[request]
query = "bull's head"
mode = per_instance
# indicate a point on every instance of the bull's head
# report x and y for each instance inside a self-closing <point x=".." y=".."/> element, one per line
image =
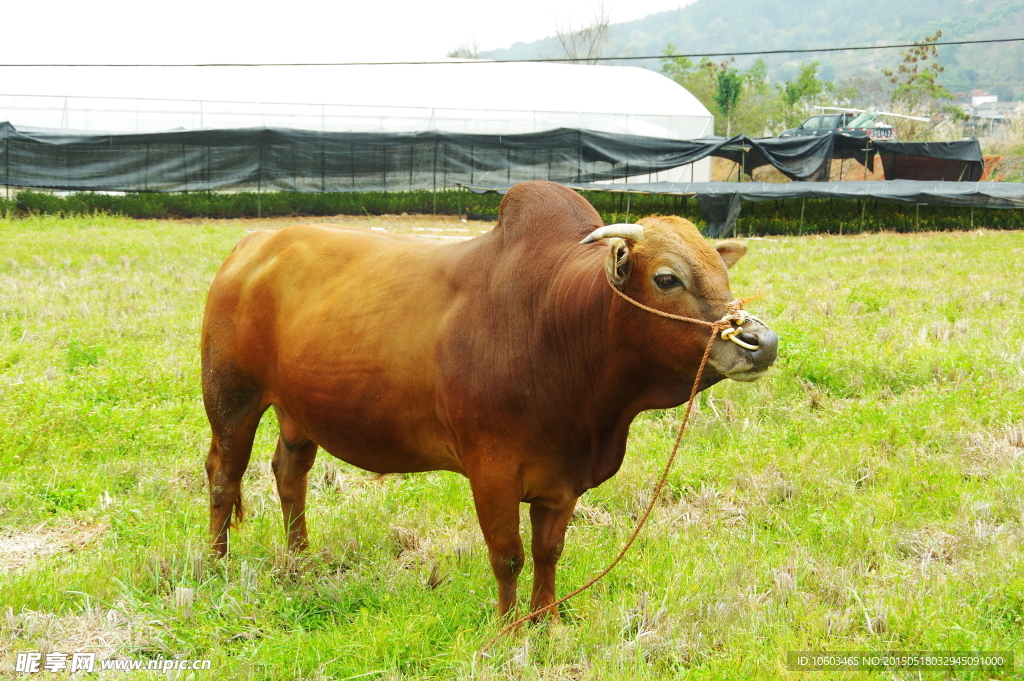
<point x="664" y="263"/>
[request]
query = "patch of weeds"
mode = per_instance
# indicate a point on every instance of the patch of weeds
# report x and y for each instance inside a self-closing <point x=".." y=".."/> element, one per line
<point x="867" y="296"/>
<point x="11" y="359"/>
<point x="821" y="378"/>
<point x="63" y="499"/>
<point x="1004" y="609"/>
<point x="312" y="612"/>
<point x="80" y="355"/>
<point x="804" y="358"/>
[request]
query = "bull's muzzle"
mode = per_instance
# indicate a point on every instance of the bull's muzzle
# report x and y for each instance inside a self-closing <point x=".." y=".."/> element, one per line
<point x="751" y="356"/>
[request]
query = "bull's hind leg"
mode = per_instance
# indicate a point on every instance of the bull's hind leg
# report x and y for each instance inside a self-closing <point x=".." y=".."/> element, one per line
<point x="234" y="405"/>
<point x="293" y="458"/>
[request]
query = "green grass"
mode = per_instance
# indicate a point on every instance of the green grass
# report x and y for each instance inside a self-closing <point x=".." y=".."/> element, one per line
<point x="865" y="496"/>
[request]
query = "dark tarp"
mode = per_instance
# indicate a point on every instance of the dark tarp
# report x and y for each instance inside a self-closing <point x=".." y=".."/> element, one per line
<point x="809" y="158"/>
<point x="719" y="201"/>
<point x="948" y="161"/>
<point x="720" y="212"/>
<point x="798" y="158"/>
<point x="310" y="161"/>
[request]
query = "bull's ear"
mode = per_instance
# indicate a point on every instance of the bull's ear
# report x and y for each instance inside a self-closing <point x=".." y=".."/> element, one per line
<point x="619" y="263"/>
<point x="731" y="251"/>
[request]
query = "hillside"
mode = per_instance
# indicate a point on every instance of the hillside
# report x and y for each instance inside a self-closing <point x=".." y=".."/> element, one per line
<point x="740" y="25"/>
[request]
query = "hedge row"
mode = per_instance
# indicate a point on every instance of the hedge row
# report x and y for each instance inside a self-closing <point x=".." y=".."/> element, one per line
<point x="762" y="218"/>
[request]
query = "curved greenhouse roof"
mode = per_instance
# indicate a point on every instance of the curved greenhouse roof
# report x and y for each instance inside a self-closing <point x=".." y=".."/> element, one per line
<point x="461" y="96"/>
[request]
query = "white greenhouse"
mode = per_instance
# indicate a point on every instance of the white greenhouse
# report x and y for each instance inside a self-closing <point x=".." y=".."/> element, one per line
<point x="494" y="98"/>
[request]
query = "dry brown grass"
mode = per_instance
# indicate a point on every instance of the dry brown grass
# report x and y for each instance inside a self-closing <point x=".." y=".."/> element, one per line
<point x="23" y="549"/>
<point x="987" y="453"/>
<point x="106" y="631"/>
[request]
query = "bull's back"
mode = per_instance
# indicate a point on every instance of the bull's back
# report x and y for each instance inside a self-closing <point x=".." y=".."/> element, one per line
<point x="339" y="328"/>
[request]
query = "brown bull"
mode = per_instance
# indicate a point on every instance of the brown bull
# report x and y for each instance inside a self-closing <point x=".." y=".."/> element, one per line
<point x="506" y="358"/>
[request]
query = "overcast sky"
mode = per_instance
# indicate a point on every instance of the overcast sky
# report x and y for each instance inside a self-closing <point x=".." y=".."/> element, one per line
<point x="190" y="31"/>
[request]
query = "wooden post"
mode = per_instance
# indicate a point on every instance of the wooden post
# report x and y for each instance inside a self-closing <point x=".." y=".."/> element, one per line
<point x="184" y="166"/>
<point x="435" y="177"/>
<point x="803" y="204"/>
<point x="259" y="183"/>
<point x="579" y="154"/>
<point x="295" y="169"/>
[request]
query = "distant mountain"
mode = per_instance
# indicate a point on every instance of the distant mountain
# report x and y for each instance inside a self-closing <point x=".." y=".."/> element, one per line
<point x="742" y="25"/>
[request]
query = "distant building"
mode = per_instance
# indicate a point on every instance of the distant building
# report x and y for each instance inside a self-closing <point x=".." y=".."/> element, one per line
<point x="992" y="119"/>
<point x="999" y="109"/>
<point x="981" y="97"/>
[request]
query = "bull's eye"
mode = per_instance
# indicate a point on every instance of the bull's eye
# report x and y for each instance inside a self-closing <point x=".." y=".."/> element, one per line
<point x="667" y="281"/>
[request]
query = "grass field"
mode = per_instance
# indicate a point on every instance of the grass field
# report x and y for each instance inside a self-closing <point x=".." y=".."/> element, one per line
<point x="867" y="495"/>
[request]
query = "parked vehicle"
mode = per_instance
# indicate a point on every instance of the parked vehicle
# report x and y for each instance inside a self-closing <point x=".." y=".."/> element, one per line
<point x="821" y="124"/>
<point x="863" y="123"/>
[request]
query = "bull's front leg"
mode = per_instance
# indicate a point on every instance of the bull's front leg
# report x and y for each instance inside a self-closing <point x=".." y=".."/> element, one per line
<point x="497" y="499"/>
<point x="549" y="520"/>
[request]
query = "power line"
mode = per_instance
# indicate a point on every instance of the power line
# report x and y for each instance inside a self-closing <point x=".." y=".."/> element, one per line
<point x="526" y="61"/>
<point x="832" y="49"/>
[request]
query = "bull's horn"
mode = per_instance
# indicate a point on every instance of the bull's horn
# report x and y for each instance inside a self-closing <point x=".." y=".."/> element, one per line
<point x="621" y="229"/>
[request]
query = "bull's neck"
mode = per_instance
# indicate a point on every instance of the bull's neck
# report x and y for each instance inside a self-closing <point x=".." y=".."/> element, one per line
<point x="605" y="382"/>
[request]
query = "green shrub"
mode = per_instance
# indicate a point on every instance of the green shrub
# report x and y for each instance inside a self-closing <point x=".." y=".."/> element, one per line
<point x="782" y="217"/>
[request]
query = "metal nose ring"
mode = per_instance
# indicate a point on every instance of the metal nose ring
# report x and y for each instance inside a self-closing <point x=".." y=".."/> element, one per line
<point x="731" y="334"/>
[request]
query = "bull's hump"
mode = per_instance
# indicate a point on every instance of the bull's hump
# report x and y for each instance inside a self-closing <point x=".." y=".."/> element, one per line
<point x="545" y="210"/>
<point x="329" y="234"/>
<point x="330" y="246"/>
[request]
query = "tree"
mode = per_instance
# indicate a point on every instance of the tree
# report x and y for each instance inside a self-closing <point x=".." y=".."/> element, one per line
<point x="867" y="88"/>
<point x="678" y="69"/>
<point x="761" y="112"/>
<point x="700" y="79"/>
<point x="469" y="49"/>
<point x="917" y="90"/>
<point x="796" y="94"/>
<point x="585" y="45"/>
<point x="748" y="100"/>
<point x="727" y="95"/>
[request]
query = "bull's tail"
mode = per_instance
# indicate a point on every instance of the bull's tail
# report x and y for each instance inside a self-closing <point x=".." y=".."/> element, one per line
<point x="239" y="510"/>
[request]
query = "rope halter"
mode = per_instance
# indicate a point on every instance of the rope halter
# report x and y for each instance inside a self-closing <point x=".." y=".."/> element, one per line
<point x="740" y="316"/>
<point x="735" y="313"/>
